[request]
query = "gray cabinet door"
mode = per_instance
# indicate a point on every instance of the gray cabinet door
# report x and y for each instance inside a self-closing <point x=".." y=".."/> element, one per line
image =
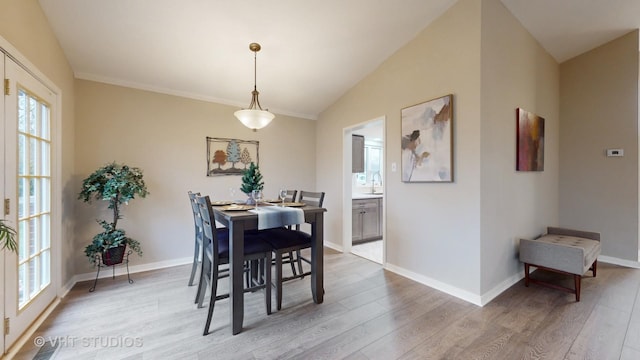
<point x="357" y="153"/>
<point x="356" y="222"/>
<point x="371" y="220"/>
<point x="366" y="225"/>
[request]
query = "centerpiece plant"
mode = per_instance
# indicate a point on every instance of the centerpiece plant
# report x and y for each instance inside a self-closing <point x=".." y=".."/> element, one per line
<point x="251" y="180"/>
<point x="117" y="184"/>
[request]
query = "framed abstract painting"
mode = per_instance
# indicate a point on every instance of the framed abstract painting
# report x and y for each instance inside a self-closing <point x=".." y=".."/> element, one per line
<point x="427" y="141"/>
<point x="530" y="141"/>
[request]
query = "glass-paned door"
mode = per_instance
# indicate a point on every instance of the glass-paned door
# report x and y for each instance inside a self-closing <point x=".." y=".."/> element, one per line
<point x="34" y="196"/>
<point x="28" y="184"/>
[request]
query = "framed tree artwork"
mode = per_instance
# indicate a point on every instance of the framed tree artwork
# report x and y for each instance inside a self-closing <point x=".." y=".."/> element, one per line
<point x="427" y="141"/>
<point x="230" y="156"/>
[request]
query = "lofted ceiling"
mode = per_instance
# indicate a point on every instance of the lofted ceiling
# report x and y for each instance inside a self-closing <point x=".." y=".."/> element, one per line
<point x="312" y="51"/>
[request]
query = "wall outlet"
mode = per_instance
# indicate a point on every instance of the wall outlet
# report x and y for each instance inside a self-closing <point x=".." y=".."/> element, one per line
<point x="615" y="152"/>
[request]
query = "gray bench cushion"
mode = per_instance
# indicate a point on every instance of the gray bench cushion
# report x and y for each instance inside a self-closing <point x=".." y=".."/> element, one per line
<point x="560" y="252"/>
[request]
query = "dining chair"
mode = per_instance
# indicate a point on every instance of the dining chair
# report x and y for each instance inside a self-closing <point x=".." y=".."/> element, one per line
<point x="288" y="258"/>
<point x="198" y="240"/>
<point x="215" y="253"/>
<point x="286" y="241"/>
<point x="198" y="235"/>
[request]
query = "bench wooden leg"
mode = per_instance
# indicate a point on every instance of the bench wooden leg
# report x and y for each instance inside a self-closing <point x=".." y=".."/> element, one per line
<point x="594" y="267"/>
<point x="577" y="279"/>
<point x="526" y="274"/>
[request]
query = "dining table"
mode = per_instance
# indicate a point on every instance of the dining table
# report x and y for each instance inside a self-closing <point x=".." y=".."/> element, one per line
<point x="238" y="222"/>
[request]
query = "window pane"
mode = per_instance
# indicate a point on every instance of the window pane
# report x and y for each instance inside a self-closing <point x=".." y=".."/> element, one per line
<point x="45" y="223"/>
<point x="22" y="284"/>
<point x="45" y="159"/>
<point x="22" y="104"/>
<point x="33" y="243"/>
<point x="45" y="132"/>
<point x="33" y="116"/>
<point x="45" y="191"/>
<point x="22" y="198"/>
<point x="33" y="187"/>
<point x="33" y="271"/>
<point x="44" y="268"/>
<point x="23" y="243"/>
<point x="33" y="156"/>
<point x="22" y="154"/>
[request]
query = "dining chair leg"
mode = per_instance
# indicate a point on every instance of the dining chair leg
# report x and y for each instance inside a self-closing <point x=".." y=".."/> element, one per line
<point x="299" y="258"/>
<point x="291" y="262"/>
<point x="278" y="280"/>
<point x="212" y="299"/>
<point x="267" y="282"/>
<point x="196" y="261"/>
<point x="202" y="283"/>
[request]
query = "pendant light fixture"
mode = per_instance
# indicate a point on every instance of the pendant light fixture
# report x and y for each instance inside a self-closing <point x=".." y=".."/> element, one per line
<point x="254" y="117"/>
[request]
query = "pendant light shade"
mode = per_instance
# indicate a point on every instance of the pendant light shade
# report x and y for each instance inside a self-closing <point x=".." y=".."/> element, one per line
<point x="254" y="117"/>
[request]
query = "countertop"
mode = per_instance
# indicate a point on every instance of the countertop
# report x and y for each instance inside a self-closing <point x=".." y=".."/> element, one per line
<point x="366" y="196"/>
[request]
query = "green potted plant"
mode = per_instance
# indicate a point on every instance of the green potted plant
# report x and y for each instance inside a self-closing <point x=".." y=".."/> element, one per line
<point x="117" y="184"/>
<point x="251" y="180"/>
<point x="7" y="237"/>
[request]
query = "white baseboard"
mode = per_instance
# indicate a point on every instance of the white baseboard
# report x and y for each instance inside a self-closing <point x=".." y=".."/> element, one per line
<point x="122" y="270"/>
<point x="500" y="288"/>
<point x="617" y="261"/>
<point x="438" y="285"/>
<point x="334" y="246"/>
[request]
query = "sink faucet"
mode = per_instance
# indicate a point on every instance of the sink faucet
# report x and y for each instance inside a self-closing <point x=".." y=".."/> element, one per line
<point x="373" y="181"/>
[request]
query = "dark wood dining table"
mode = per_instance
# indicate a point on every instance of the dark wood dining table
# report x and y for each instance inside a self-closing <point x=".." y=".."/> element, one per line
<point x="239" y="221"/>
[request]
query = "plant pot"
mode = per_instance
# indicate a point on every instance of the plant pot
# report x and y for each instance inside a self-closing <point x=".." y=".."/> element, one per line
<point x="250" y="200"/>
<point x="114" y="255"/>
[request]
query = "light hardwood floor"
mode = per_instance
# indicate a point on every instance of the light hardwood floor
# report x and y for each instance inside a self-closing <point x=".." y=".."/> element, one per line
<point x="368" y="313"/>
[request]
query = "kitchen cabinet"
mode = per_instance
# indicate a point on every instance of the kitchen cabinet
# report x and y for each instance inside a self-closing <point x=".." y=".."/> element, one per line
<point x="366" y="220"/>
<point x="357" y="153"/>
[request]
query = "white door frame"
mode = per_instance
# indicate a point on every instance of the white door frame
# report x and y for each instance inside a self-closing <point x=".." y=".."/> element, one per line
<point x="56" y="186"/>
<point x="347" y="210"/>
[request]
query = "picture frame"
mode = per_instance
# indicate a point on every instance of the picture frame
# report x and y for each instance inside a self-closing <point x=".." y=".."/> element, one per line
<point x="529" y="141"/>
<point x="224" y="155"/>
<point x="427" y="141"/>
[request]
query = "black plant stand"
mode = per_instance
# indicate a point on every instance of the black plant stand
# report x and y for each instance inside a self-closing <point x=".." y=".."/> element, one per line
<point x="125" y="261"/>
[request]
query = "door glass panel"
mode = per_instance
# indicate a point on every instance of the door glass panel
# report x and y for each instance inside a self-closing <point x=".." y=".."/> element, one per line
<point x="22" y="156"/>
<point x="34" y="196"/>
<point x="44" y="157"/>
<point x="44" y="130"/>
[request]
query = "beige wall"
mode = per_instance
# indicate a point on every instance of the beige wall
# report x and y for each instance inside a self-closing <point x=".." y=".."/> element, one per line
<point x="516" y="72"/>
<point x="165" y="136"/>
<point x="23" y="24"/>
<point x="599" y="110"/>
<point x="433" y="230"/>
<point x="461" y="236"/>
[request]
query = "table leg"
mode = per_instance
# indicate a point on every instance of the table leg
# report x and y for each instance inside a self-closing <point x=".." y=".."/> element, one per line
<point x="236" y="274"/>
<point x="317" y="256"/>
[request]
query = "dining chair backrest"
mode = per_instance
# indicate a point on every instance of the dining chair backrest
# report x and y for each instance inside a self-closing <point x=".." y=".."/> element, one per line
<point x="194" y="206"/>
<point x="197" y="219"/>
<point x="291" y="195"/>
<point x="311" y="198"/>
<point x="208" y="223"/>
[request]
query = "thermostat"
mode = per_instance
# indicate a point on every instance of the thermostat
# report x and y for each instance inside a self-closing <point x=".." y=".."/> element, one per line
<point x="615" y="152"/>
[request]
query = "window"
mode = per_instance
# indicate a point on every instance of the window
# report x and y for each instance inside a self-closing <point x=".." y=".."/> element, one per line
<point x="372" y="162"/>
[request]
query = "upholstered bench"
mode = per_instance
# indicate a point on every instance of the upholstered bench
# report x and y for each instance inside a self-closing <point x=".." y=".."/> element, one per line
<point x="565" y="251"/>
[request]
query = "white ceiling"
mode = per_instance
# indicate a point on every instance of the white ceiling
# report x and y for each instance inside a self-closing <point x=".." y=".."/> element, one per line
<point x="312" y="51"/>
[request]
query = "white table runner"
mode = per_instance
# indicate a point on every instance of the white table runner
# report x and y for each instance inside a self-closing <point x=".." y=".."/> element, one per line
<point x="277" y="216"/>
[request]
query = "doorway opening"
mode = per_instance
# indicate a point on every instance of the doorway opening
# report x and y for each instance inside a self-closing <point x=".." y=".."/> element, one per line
<point x="363" y="186"/>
